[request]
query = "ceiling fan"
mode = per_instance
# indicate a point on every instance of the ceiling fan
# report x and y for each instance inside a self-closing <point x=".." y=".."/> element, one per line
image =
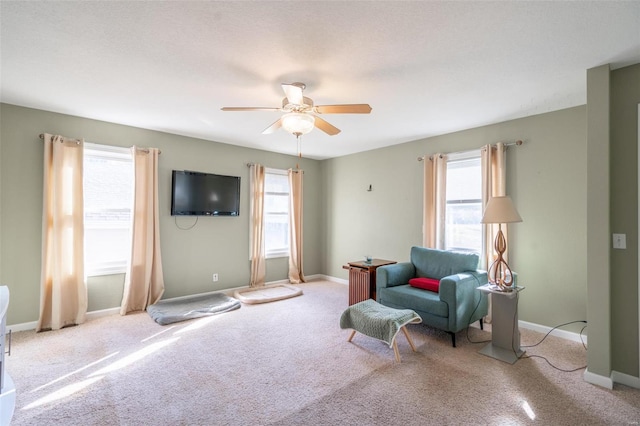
<point x="300" y="112"/>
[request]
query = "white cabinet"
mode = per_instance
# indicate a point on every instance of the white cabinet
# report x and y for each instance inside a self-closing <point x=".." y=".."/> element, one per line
<point x="7" y="388"/>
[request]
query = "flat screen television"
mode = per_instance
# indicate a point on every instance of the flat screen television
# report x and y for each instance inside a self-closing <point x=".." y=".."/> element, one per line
<point x="204" y="194"/>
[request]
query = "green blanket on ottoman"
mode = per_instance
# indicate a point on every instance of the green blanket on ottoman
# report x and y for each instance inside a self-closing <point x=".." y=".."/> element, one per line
<point x="378" y="321"/>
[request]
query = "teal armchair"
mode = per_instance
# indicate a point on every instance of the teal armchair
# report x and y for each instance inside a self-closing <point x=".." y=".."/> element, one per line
<point x="457" y="303"/>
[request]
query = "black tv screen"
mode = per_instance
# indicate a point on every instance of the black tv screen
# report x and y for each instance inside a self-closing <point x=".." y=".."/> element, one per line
<point x="204" y="194"/>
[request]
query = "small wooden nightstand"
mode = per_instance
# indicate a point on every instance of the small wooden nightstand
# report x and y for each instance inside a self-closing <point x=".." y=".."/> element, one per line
<point x="362" y="279"/>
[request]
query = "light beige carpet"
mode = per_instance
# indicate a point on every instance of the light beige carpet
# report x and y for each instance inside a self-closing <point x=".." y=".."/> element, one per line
<point x="289" y="363"/>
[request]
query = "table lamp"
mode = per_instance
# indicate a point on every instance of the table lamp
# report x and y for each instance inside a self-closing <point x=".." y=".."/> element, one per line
<point x="500" y="210"/>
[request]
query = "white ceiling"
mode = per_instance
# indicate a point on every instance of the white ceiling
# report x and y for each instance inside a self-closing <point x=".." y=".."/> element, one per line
<point x="426" y="68"/>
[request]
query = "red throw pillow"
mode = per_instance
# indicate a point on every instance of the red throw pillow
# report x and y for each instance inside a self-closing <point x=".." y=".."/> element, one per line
<point x="430" y="284"/>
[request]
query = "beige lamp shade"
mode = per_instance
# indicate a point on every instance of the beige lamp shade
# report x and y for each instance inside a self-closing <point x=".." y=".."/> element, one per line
<point x="500" y="210"/>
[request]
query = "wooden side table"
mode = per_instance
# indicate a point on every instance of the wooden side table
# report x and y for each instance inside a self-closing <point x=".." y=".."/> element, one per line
<point x="362" y="279"/>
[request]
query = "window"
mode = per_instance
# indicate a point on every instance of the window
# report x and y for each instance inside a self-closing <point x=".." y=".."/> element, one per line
<point x="463" y="230"/>
<point x="108" y="199"/>
<point x="276" y="213"/>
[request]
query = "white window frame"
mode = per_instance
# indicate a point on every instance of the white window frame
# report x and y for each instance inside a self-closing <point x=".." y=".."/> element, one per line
<point x="280" y="251"/>
<point x="109" y="267"/>
<point x="459" y="157"/>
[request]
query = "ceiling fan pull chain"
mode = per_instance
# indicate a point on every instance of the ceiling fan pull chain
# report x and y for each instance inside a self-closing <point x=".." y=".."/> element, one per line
<point x="299" y="149"/>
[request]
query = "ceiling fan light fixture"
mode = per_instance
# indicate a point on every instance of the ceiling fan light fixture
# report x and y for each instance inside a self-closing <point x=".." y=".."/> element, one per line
<point x="298" y="123"/>
<point x="299" y="118"/>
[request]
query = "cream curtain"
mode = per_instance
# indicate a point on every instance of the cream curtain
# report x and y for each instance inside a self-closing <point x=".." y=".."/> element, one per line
<point x="296" y="275"/>
<point x="258" y="271"/>
<point x="63" y="292"/>
<point x="434" y="200"/>
<point x="144" y="281"/>
<point x="494" y="171"/>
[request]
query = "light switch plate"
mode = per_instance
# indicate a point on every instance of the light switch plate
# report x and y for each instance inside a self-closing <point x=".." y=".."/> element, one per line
<point x="619" y="241"/>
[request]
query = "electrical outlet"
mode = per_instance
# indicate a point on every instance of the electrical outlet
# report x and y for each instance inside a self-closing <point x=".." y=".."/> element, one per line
<point x="620" y="241"/>
<point x="215" y="278"/>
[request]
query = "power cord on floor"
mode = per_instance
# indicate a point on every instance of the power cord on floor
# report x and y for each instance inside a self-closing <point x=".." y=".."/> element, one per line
<point x="474" y="311"/>
<point x="546" y="335"/>
<point x="469" y="325"/>
<point x="523" y="355"/>
<point x="558" y="326"/>
<point x="549" y="362"/>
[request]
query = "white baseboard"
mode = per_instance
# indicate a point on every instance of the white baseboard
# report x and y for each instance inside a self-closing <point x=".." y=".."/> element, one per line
<point x="112" y="311"/>
<point x="334" y="279"/>
<point x="625" y="379"/>
<point x="314" y="277"/>
<point x="26" y="326"/>
<point x="103" y="313"/>
<point x="557" y="332"/>
<point x="596" y="379"/>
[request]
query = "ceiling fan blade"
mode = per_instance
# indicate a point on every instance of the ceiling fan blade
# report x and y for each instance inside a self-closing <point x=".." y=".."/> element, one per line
<point x="275" y="126"/>
<point x="329" y="129"/>
<point x="343" y="109"/>
<point x="249" y="109"/>
<point x="293" y="93"/>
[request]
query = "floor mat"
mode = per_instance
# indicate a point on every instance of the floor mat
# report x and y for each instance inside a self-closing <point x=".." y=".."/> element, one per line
<point x="169" y="311"/>
<point x="268" y="293"/>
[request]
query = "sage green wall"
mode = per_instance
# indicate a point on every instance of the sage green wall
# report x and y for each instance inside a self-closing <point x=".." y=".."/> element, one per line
<point x="625" y="97"/>
<point x="598" y="239"/>
<point x="189" y="258"/>
<point x="546" y="178"/>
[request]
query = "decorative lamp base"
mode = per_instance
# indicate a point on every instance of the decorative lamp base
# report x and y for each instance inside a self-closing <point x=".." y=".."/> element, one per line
<point x="499" y="272"/>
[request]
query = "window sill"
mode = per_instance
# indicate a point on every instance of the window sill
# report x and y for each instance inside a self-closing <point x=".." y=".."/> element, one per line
<point x="276" y="255"/>
<point x="99" y="272"/>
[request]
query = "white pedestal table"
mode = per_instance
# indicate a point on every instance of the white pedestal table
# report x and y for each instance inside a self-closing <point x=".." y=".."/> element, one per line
<point x="505" y="335"/>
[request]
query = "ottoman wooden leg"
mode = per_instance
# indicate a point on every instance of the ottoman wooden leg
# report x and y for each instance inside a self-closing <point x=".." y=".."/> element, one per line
<point x="406" y="333"/>
<point x="352" y="334"/>
<point x="396" y="351"/>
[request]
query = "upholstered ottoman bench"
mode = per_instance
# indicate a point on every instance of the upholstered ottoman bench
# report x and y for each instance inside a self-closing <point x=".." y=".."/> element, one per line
<point x="380" y="322"/>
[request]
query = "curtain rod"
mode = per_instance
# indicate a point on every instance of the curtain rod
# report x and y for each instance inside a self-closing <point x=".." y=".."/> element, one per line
<point x="147" y="150"/>
<point x="292" y="169"/>
<point x="42" y="138"/>
<point x="141" y="149"/>
<point x="517" y="143"/>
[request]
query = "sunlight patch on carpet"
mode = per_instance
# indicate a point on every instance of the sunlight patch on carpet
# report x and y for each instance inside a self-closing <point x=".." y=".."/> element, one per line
<point x="39" y="388"/>
<point x="269" y="293"/>
<point x="62" y="393"/>
<point x="197" y="324"/>
<point x="134" y="357"/>
<point x="527" y="409"/>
